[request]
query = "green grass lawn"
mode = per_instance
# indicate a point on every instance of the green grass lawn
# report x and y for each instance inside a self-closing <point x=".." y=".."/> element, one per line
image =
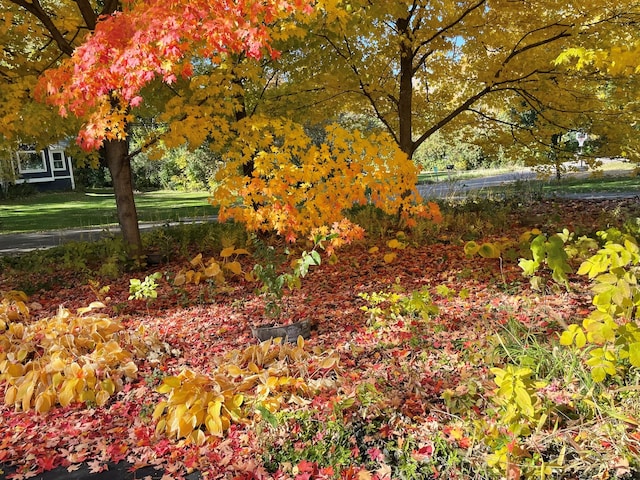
<point x="604" y="184"/>
<point x="98" y="208"/>
<point x="443" y="175"/>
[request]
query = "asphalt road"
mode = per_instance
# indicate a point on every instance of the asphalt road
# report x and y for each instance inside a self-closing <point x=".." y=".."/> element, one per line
<point x="449" y="186"/>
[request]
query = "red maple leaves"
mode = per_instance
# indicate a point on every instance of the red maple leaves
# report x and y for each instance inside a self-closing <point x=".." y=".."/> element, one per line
<point x="149" y="40"/>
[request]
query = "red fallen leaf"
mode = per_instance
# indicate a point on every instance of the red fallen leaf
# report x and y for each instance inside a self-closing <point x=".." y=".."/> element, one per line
<point x="513" y="472"/>
<point x="117" y="452"/>
<point x="423" y="454"/>
<point x="375" y="454"/>
<point x="385" y="431"/>
<point x="327" y="471"/>
<point x="349" y="474"/>
<point x="306" y="466"/>
<point x="48" y="463"/>
<point x="464" y="442"/>
<point x="199" y="333"/>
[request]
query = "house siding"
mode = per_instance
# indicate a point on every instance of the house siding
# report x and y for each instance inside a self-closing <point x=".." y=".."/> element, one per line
<point x="48" y="177"/>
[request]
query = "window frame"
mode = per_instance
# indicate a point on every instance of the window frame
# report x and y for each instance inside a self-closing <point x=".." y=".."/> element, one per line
<point x="43" y="164"/>
<point x="63" y="168"/>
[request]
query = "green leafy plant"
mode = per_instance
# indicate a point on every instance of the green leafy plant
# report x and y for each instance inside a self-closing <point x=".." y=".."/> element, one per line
<point x="304" y="436"/>
<point x="610" y="332"/>
<point x="549" y="251"/>
<point x="497" y="249"/>
<point x="273" y="280"/>
<point x="144" y="289"/>
<point x="396" y="303"/>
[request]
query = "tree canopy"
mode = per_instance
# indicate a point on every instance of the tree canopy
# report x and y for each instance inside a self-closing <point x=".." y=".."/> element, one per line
<point x="35" y="36"/>
<point x="422" y="66"/>
<point x="103" y="79"/>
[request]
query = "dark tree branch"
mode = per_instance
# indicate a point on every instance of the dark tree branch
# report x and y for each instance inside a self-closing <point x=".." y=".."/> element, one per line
<point x="88" y="15"/>
<point x="37" y="11"/>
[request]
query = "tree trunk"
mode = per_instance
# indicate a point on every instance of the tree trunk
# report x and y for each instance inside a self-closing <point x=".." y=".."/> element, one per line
<point x="405" y="95"/>
<point x="116" y="154"/>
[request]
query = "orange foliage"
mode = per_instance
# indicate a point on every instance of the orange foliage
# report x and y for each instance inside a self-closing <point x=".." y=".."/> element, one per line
<point x="298" y="185"/>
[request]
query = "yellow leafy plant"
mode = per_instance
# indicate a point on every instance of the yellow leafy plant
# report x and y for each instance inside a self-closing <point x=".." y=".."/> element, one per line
<point x="494" y="249"/>
<point x="263" y="376"/>
<point x="13" y="308"/>
<point x="516" y="396"/>
<point x="212" y="269"/>
<point x="610" y="333"/>
<point x="196" y="400"/>
<point x="296" y="185"/>
<point x="82" y="357"/>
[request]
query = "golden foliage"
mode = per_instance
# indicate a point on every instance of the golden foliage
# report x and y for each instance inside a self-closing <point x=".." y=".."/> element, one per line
<point x="211" y="269"/>
<point x="267" y="375"/>
<point x="83" y="357"/>
<point x="298" y="185"/>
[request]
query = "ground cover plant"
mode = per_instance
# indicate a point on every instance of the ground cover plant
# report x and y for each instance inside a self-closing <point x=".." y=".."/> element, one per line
<point x="495" y="344"/>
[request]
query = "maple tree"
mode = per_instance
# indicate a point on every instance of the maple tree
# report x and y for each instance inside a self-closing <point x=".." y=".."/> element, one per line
<point x="101" y="80"/>
<point x="421" y="68"/>
<point x="279" y="174"/>
<point x="298" y="185"/>
<point x="615" y="60"/>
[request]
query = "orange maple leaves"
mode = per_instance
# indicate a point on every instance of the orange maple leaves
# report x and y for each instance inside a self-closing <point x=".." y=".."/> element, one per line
<point x="298" y="185"/>
<point x="149" y="40"/>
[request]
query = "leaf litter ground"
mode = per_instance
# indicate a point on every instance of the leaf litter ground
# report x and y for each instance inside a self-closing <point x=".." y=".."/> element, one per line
<point x="410" y="361"/>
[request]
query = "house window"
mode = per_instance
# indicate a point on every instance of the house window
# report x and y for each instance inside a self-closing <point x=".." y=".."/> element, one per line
<point x="57" y="157"/>
<point x="30" y="161"/>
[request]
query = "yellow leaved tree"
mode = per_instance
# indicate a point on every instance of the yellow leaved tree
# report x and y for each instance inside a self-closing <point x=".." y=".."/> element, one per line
<point x="33" y="37"/>
<point x="615" y="62"/>
<point x="420" y="67"/>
